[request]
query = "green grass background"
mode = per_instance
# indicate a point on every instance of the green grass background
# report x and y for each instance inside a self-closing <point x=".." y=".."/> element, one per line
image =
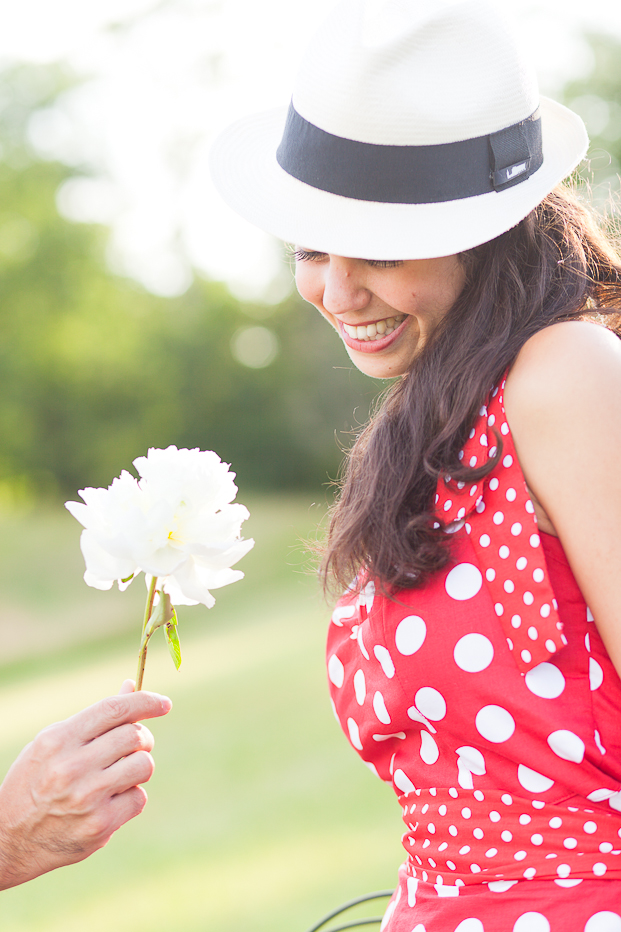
<point x="260" y="816"/>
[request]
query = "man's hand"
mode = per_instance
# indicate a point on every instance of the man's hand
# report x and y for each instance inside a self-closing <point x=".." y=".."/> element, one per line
<point x="73" y="786"/>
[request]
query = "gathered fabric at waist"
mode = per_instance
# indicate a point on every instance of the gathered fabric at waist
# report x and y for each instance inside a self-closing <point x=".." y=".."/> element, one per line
<point x="459" y="837"/>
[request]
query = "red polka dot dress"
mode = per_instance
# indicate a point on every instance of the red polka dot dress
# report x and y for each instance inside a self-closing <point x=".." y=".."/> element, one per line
<point x="488" y="701"/>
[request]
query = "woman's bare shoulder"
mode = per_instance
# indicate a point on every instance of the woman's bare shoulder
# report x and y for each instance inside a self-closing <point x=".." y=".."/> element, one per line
<point x="563" y="404"/>
<point x="570" y="365"/>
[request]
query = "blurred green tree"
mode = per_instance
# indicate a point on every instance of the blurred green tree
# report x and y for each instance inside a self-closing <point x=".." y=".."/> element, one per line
<point x="93" y="369"/>
<point x="596" y="96"/>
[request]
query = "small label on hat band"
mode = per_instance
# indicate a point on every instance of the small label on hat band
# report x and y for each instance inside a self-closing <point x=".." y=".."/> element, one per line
<point x="505" y="175"/>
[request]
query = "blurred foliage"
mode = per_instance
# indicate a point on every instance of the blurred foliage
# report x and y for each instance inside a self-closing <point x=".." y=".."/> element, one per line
<point x="596" y="96"/>
<point x="94" y="370"/>
<point x="254" y="820"/>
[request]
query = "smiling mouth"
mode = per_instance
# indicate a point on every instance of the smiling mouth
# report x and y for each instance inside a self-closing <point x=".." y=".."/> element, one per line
<point x="378" y="330"/>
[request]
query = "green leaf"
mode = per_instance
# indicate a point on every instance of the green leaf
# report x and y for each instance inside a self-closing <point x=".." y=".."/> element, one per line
<point x="172" y="639"/>
<point x="163" y="614"/>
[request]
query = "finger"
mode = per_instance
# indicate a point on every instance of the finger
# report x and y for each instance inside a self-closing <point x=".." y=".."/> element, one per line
<point x="114" y="711"/>
<point x="128" y="686"/>
<point x="130" y="771"/>
<point x="105" y="750"/>
<point x="126" y="806"/>
<point x="110" y="815"/>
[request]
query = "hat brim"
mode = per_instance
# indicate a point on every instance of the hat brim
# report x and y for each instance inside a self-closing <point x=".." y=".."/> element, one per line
<point x="247" y="175"/>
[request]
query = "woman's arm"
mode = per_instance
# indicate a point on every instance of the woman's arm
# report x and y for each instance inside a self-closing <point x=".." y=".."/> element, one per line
<point x="563" y="404"/>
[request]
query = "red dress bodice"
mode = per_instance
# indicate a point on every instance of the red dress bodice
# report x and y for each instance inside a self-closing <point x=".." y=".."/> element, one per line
<point x="487" y="700"/>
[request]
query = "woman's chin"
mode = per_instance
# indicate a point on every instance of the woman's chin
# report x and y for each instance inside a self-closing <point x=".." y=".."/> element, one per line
<point x="386" y="362"/>
<point x="379" y="367"/>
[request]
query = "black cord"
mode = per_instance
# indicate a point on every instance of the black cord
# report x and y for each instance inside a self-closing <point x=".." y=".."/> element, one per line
<point x="349" y="905"/>
<point x="356" y="924"/>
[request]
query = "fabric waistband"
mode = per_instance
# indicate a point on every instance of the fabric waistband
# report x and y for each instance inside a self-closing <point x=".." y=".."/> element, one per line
<point x="466" y="837"/>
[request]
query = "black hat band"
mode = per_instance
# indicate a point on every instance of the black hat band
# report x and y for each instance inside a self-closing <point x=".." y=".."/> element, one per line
<point x="410" y="174"/>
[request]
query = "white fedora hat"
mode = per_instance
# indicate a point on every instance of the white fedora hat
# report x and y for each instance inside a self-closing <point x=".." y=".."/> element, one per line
<point x="415" y="130"/>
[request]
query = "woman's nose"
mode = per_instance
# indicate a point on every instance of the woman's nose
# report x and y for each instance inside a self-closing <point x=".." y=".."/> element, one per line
<point x="344" y="287"/>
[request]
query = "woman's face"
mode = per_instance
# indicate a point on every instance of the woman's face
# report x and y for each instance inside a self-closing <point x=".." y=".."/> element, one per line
<point x="384" y="311"/>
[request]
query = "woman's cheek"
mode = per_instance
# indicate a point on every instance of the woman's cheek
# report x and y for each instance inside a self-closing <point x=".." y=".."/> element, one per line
<point x="310" y="287"/>
<point x="300" y="282"/>
<point x="307" y="284"/>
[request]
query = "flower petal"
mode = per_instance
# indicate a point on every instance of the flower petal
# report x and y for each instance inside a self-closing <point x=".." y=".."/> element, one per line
<point x="91" y="580"/>
<point x="216" y="579"/>
<point x="193" y="582"/>
<point x="170" y="585"/>
<point x="101" y="564"/>
<point x="177" y="522"/>
<point x="216" y="558"/>
<point x="161" y="562"/>
<point x="200" y="475"/>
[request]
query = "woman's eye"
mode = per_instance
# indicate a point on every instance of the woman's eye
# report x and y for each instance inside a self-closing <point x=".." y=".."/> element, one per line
<point x="307" y="255"/>
<point x="311" y="255"/>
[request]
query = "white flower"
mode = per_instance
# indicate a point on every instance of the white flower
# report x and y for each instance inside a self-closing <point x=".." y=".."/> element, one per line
<point x="177" y="523"/>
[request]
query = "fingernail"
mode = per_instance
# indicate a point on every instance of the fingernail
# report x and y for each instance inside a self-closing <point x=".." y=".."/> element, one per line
<point x="166" y="704"/>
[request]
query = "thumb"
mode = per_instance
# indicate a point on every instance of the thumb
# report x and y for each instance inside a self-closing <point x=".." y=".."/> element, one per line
<point x="128" y="686"/>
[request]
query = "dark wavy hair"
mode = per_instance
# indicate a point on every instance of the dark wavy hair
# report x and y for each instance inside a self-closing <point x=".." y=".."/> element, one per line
<point x="556" y="265"/>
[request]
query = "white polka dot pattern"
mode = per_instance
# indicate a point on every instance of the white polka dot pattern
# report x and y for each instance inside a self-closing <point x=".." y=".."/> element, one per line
<point x="463" y="582"/>
<point x="532" y="922"/>
<point x="431" y="703"/>
<point x="385" y="660"/>
<point x="494" y="723"/>
<point x="360" y="687"/>
<point x="532" y="781"/>
<point x="604" y="921"/>
<point x="596" y="674"/>
<point x="336" y="671"/>
<point x="379" y="706"/>
<point x="354" y="733"/>
<point x="449" y="832"/>
<point x="506" y="502"/>
<point x="473" y="653"/>
<point x="567" y="745"/>
<point x="429" y="751"/>
<point x="410" y="635"/>
<point x="487" y="742"/>
<point x="545" y="680"/>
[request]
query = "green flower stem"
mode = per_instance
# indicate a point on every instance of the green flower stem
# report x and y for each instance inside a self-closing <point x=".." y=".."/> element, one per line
<point x="142" y="656"/>
<point x="149" y="606"/>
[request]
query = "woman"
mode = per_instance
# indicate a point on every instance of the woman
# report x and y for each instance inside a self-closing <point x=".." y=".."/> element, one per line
<point x="418" y="172"/>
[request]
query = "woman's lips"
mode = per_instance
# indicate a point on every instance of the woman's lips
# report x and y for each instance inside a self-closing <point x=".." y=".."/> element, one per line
<point x="376" y="345"/>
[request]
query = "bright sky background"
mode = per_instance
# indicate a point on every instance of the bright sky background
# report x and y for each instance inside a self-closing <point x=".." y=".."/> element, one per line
<point x="163" y="77"/>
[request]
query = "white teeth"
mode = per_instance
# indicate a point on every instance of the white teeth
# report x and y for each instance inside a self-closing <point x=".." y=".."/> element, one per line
<point x="375" y="331"/>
